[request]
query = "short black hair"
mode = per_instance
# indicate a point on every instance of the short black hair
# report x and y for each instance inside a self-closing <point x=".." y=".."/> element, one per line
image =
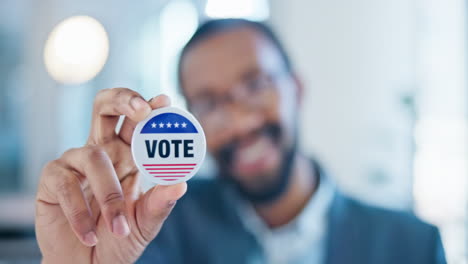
<point x="216" y="26"/>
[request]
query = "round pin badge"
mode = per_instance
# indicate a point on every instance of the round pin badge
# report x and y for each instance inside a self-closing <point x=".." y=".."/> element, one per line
<point x="169" y="146"/>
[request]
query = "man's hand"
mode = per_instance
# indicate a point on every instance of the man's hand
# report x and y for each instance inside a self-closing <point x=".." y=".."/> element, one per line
<point x="89" y="206"/>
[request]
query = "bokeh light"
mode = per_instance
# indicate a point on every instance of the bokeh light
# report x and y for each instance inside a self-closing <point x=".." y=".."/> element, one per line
<point x="76" y="50"/>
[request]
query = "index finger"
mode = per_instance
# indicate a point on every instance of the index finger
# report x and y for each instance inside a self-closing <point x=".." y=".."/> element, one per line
<point x="93" y="163"/>
<point x="128" y="125"/>
<point x="109" y="105"/>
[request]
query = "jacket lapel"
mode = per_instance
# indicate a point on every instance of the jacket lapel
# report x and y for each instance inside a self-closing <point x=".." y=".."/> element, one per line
<point x="348" y="238"/>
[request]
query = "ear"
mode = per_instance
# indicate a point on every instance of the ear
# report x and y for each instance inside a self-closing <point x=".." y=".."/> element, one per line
<point x="299" y="88"/>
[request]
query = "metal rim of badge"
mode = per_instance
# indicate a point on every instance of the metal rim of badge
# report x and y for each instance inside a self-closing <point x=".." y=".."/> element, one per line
<point x="169" y="146"/>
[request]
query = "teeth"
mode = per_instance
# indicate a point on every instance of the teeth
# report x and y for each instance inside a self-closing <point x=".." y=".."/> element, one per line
<point x="254" y="151"/>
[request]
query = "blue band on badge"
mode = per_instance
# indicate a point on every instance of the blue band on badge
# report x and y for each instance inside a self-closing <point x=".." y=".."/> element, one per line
<point x="168" y="123"/>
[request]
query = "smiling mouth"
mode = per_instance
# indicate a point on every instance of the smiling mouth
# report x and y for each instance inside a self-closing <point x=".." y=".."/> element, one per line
<point x="255" y="154"/>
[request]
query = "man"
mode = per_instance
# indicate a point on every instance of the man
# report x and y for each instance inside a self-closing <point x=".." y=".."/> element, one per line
<point x="268" y="203"/>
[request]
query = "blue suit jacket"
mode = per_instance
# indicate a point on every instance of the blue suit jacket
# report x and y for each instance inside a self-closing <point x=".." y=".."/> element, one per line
<point x="205" y="229"/>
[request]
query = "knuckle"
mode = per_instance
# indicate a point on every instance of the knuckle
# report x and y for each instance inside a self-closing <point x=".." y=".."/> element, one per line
<point x="53" y="170"/>
<point x="69" y="152"/>
<point x="118" y="92"/>
<point x="113" y="198"/>
<point x="112" y="98"/>
<point x="119" y="97"/>
<point x="52" y="173"/>
<point x="50" y="166"/>
<point x="101" y="94"/>
<point x="94" y="153"/>
<point x="123" y="95"/>
<point x="106" y="97"/>
<point x="112" y="203"/>
<point x="78" y="216"/>
<point x="64" y="184"/>
<point x="100" y="98"/>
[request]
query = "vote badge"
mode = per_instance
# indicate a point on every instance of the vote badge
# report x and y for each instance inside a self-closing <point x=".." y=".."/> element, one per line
<point x="169" y="146"/>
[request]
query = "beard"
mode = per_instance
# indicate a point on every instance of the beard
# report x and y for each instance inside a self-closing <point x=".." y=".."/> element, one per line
<point x="267" y="188"/>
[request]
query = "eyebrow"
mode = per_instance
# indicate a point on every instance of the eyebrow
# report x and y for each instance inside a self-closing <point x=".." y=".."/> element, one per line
<point x="203" y="93"/>
<point x="250" y="73"/>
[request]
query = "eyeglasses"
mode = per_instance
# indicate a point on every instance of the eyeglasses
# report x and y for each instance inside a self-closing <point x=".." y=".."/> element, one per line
<point x="253" y="93"/>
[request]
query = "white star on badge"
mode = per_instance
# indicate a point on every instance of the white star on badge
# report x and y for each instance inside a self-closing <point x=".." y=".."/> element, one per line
<point x="161" y="125"/>
<point x="153" y="125"/>
<point x="176" y="125"/>
<point x="184" y="125"/>
<point x="168" y="124"/>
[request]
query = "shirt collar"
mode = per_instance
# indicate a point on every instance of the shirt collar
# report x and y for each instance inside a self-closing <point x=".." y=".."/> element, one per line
<point x="312" y="220"/>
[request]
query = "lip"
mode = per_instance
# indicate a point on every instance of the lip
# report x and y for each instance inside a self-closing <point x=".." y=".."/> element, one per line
<point x="254" y="155"/>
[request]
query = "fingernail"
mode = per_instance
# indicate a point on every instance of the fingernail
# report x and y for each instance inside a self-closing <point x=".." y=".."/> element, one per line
<point x="90" y="238"/>
<point x="137" y="103"/>
<point x="120" y="226"/>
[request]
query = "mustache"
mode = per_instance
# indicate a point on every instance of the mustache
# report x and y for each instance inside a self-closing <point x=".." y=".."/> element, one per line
<point x="270" y="191"/>
<point x="225" y="153"/>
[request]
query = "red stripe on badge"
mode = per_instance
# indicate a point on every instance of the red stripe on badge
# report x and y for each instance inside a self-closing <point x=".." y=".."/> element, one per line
<point x="168" y="172"/>
<point x="181" y="168"/>
<point x="150" y="165"/>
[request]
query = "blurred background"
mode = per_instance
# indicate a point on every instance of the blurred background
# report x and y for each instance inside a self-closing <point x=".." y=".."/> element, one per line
<point x="385" y="107"/>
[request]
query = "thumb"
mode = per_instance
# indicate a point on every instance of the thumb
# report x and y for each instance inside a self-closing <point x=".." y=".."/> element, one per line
<point x="154" y="207"/>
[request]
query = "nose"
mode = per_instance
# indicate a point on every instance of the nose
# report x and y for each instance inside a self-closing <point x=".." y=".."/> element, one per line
<point x="238" y="94"/>
<point x="245" y="122"/>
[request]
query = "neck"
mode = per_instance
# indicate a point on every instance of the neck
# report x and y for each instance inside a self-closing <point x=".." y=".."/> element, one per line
<point x="301" y="188"/>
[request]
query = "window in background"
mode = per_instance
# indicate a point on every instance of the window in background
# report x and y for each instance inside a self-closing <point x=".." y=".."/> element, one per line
<point x="150" y="58"/>
<point x="10" y="139"/>
<point x="441" y="158"/>
<point x="163" y="38"/>
<point x="179" y="20"/>
<point x="249" y="9"/>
